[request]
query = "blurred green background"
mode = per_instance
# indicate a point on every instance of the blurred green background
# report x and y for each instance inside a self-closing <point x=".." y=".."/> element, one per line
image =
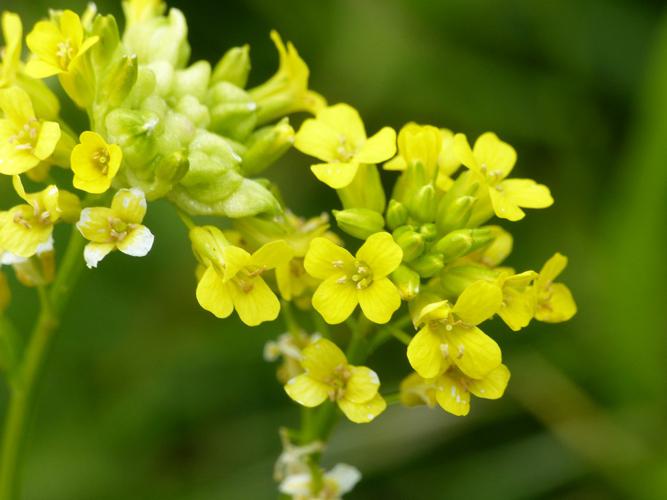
<point x="147" y="396"/>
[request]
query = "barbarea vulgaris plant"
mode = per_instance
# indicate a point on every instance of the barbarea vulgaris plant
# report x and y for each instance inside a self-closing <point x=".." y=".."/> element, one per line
<point x="422" y="257"/>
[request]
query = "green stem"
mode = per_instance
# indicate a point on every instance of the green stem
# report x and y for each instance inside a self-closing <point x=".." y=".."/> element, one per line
<point x="20" y="402"/>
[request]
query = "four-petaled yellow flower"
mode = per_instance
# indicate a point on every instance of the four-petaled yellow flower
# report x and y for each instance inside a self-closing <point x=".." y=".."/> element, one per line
<point x="232" y="278"/>
<point x="554" y="300"/>
<point x="24" y="140"/>
<point x="329" y="376"/>
<point x="452" y="389"/>
<point x="12" y="30"/>
<point x="57" y="45"/>
<point x="27" y="229"/>
<point x="450" y="335"/>
<point x="94" y="163"/>
<point x="492" y="160"/>
<point x="118" y="227"/>
<point x="337" y="136"/>
<point x="349" y="280"/>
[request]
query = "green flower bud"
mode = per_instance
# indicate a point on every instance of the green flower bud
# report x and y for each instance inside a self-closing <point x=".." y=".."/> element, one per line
<point x="118" y="81"/>
<point x="453" y="280"/>
<point x="423" y="204"/>
<point x="457" y="214"/>
<point x="106" y="28"/>
<point x="190" y="107"/>
<point x="134" y="132"/>
<point x="409" y="183"/>
<point x="410" y="241"/>
<point x="407" y="281"/>
<point x="429" y="231"/>
<point x="463" y="241"/>
<point x="397" y="214"/>
<point x="365" y="190"/>
<point x="192" y="80"/>
<point x="233" y="112"/>
<point x="233" y="67"/>
<point x="266" y="145"/>
<point x="207" y="244"/>
<point x="160" y="39"/>
<point x="428" y="265"/>
<point x="359" y="222"/>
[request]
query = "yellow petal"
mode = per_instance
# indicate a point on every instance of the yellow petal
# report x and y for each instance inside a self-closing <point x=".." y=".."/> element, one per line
<point x="362" y="413"/>
<point x="43" y="41"/>
<point x="16" y="105"/>
<point x="474" y="352"/>
<point x="37" y="68"/>
<point x="378" y="148"/>
<point x="306" y="391"/>
<point x="49" y="135"/>
<point x="559" y="307"/>
<point x="397" y="163"/>
<point x="518" y="307"/>
<point x="379" y="300"/>
<point x="138" y="242"/>
<point x="424" y="353"/>
<point x="94" y="224"/>
<point x="317" y="139"/>
<point x="335" y="301"/>
<point x="492" y="386"/>
<point x="324" y="258"/>
<point x="478" y="302"/>
<point x="494" y="154"/>
<point x="452" y="396"/>
<point x="93" y="253"/>
<point x="255" y="304"/>
<point x="462" y="150"/>
<point x="322" y="358"/>
<point x="381" y="253"/>
<point x="503" y="206"/>
<point x="345" y="121"/>
<point x="213" y="295"/>
<point x="526" y="193"/>
<point x="416" y="391"/>
<point x="272" y="254"/>
<point x="129" y="205"/>
<point x="70" y="26"/>
<point x="335" y="175"/>
<point x="362" y="386"/>
<point x="551" y="269"/>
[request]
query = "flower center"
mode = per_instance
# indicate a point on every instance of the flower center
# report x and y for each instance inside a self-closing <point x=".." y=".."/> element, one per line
<point x="492" y="176"/>
<point x="26" y="136"/>
<point x="119" y="228"/>
<point x="338" y="382"/>
<point x="345" y="150"/>
<point x="101" y="160"/>
<point x="65" y="53"/>
<point x="245" y="278"/>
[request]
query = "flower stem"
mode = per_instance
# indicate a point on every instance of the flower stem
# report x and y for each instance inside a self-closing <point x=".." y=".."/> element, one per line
<point x="51" y="305"/>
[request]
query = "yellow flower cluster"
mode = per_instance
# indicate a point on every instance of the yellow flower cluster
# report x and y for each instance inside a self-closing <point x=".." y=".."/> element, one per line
<point x="196" y="135"/>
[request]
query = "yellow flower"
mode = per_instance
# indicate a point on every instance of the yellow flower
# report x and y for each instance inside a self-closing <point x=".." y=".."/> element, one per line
<point x="27" y="229"/>
<point x="450" y="335"/>
<point x="334" y="483"/>
<point x="349" y="280"/>
<point x="452" y="389"/>
<point x="337" y="136"/>
<point x="56" y="45"/>
<point x="492" y="160"/>
<point x="329" y="376"/>
<point x="518" y="306"/>
<point x="232" y="278"/>
<point x="118" y="227"/>
<point x="287" y="90"/>
<point x="24" y="140"/>
<point x="94" y="163"/>
<point x="554" y="300"/>
<point x="12" y="30"/>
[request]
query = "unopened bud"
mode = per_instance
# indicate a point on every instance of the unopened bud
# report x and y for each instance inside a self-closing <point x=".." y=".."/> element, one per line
<point x="428" y="265"/>
<point x="429" y="231"/>
<point x="410" y="241"/>
<point x="233" y="112"/>
<point x="266" y="145"/>
<point x="233" y="67"/>
<point x="359" y="222"/>
<point x="463" y="241"/>
<point x="69" y="206"/>
<point x="397" y="214"/>
<point x="407" y="281"/>
<point x="120" y="80"/>
<point x="453" y="280"/>
<point x="423" y="204"/>
<point x="106" y="28"/>
<point x="192" y="80"/>
<point x="365" y="190"/>
<point x="457" y="214"/>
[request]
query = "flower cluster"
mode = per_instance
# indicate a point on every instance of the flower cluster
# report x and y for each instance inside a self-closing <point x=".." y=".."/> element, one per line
<point x="423" y="253"/>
